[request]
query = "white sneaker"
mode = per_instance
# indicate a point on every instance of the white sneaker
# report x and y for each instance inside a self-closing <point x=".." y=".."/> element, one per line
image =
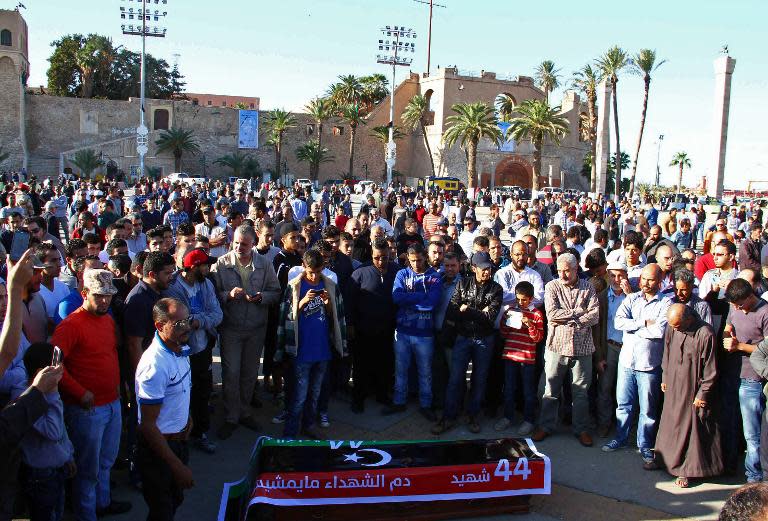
<point x="324" y="422"/>
<point x="502" y="425"/>
<point x="525" y="429"/>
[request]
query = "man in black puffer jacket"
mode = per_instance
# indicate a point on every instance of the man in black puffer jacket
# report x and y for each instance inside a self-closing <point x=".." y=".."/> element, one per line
<point x="473" y="309"/>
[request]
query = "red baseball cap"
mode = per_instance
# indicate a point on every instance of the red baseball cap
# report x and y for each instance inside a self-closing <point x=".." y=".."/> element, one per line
<point x="197" y="257"/>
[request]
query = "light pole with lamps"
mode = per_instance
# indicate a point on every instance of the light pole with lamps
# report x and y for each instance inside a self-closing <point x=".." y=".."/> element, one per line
<point x="658" y="154"/>
<point x="142" y="29"/>
<point x="393" y="51"/>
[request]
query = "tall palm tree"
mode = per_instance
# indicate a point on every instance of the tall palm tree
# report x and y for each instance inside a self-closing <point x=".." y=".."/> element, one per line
<point x="177" y="141"/>
<point x="538" y="122"/>
<point x="235" y="161"/>
<point x="610" y="65"/>
<point x="585" y="80"/>
<point x="87" y="161"/>
<point x="346" y="91"/>
<point x="354" y="117"/>
<point x="278" y="121"/>
<point x="682" y="161"/>
<point x="381" y="133"/>
<point x="642" y="64"/>
<point x="472" y="122"/>
<point x="505" y="107"/>
<point x="314" y="154"/>
<point x="374" y="89"/>
<point x="547" y="77"/>
<point x="320" y="110"/>
<point x="414" y="117"/>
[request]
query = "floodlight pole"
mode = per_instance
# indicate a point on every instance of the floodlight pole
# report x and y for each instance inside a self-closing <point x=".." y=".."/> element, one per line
<point x="142" y="125"/>
<point x="391" y="147"/>
<point x="658" y="155"/>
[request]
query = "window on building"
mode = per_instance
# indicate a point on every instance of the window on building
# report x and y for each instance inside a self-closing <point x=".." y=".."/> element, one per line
<point x="310" y="129"/>
<point x="252" y="105"/>
<point x="338" y="131"/>
<point x="6" y="38"/>
<point x="223" y="103"/>
<point x="195" y="102"/>
<point x="210" y="103"/>
<point x="161" y="119"/>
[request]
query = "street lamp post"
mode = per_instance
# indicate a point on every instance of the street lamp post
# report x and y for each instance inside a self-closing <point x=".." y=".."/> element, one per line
<point x="393" y="51"/>
<point x="129" y="14"/>
<point x="658" y="155"/>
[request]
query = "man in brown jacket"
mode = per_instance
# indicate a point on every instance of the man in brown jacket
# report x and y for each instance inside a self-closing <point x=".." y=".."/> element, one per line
<point x="247" y="286"/>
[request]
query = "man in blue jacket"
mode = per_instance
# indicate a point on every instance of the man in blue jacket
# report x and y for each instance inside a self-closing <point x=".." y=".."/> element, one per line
<point x="372" y="321"/>
<point x="192" y="287"/>
<point x="416" y="293"/>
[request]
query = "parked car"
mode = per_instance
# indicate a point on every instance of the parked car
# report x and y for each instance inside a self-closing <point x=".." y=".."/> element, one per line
<point x="304" y="183"/>
<point x="182" y="177"/>
<point x="362" y="186"/>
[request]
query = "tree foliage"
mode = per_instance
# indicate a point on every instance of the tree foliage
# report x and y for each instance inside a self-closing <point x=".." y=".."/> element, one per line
<point x="472" y="122"/>
<point x="92" y="67"/>
<point x="177" y="141"/>
<point x="313" y="154"/>
<point x="86" y="161"/>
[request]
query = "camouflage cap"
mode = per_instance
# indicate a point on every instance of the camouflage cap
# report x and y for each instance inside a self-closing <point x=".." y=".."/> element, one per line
<point x="99" y="282"/>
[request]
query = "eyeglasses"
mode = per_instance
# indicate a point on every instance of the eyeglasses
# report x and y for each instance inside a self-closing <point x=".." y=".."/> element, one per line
<point x="33" y="231"/>
<point x="183" y="324"/>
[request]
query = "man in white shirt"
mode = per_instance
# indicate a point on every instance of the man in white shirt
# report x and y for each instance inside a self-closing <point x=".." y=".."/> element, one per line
<point x="52" y="289"/>
<point x="469" y="233"/>
<point x="212" y="229"/>
<point x="517" y="271"/>
<point x="378" y="220"/>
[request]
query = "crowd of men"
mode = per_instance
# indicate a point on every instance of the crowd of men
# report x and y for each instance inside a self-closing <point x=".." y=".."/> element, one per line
<point x="586" y="314"/>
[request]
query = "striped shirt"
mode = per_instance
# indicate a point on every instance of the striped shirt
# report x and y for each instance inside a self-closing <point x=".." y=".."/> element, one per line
<point x="520" y="343"/>
<point x="571" y="311"/>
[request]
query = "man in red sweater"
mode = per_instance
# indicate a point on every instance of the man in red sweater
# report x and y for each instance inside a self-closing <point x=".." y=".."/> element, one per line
<point x="89" y="389"/>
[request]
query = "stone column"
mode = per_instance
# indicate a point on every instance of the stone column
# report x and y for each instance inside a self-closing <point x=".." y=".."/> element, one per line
<point x="724" y="66"/>
<point x="550" y="175"/>
<point x="603" y="134"/>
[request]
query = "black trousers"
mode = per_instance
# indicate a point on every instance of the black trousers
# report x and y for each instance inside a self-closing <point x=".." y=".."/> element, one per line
<point x="161" y="492"/>
<point x="202" y="386"/>
<point x="373" y="366"/>
<point x="494" y="390"/>
<point x="270" y="341"/>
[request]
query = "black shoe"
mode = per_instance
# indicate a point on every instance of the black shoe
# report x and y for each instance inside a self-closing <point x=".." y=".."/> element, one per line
<point x="443" y="426"/>
<point x="428" y="413"/>
<point x="250" y="422"/>
<point x="114" y="508"/>
<point x="226" y="430"/>
<point x="393" y="409"/>
<point x="357" y="407"/>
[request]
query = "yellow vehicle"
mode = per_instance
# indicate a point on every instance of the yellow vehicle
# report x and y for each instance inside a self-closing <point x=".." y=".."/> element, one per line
<point x="440" y="184"/>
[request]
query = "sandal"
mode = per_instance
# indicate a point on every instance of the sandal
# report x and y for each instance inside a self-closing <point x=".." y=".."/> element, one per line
<point x="682" y="482"/>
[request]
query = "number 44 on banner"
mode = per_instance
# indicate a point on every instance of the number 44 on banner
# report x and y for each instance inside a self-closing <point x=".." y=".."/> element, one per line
<point x="521" y="469"/>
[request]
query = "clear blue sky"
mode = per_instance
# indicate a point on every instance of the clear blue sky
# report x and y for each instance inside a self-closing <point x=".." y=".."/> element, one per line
<point x="289" y="51"/>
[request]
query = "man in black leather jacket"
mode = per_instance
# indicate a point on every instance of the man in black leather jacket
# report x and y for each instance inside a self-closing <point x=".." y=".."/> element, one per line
<point x="473" y="308"/>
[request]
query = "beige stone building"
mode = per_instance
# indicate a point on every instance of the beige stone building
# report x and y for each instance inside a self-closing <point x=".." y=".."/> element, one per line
<point x="43" y="132"/>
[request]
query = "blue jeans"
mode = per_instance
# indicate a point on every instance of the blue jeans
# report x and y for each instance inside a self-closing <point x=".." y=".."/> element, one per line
<point x="633" y="387"/>
<point x="480" y="351"/>
<point x="44" y="492"/>
<point x="95" y="434"/>
<point x="307" y="381"/>
<point x="752" y="405"/>
<point x="420" y="348"/>
<point x="519" y="373"/>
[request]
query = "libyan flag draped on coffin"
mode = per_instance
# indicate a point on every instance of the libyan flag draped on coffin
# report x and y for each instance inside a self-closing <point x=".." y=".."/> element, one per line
<point x="291" y="473"/>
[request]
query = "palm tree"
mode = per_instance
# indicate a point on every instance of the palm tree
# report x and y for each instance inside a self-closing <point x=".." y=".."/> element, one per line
<point x="278" y="121"/>
<point x="505" y="107"/>
<point x="320" y="110"/>
<point x="382" y="134"/>
<point x="240" y="105"/>
<point x="348" y="90"/>
<point x="547" y="77"/>
<point x="235" y="161"/>
<point x="472" y="122"/>
<point x="538" y="122"/>
<point x="585" y="80"/>
<point x="87" y="161"/>
<point x="314" y="154"/>
<point x="374" y="90"/>
<point x="610" y="66"/>
<point x="352" y="115"/>
<point x="682" y="161"/>
<point x="414" y="117"/>
<point x="177" y="141"/>
<point x="642" y="64"/>
<point x="252" y="168"/>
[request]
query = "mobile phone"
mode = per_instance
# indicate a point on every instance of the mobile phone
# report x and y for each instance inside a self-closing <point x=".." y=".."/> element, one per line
<point x="19" y="245"/>
<point x="57" y="356"/>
